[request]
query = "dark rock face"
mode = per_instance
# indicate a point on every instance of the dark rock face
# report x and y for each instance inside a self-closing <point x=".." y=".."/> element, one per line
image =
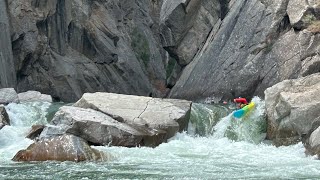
<point x="65" y="48"/>
<point x="7" y="71"/>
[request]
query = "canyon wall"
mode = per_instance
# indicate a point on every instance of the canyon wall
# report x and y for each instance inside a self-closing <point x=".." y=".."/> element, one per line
<point x="190" y="49"/>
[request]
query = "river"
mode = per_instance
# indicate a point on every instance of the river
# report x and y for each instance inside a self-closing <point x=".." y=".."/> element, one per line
<point x="216" y="146"/>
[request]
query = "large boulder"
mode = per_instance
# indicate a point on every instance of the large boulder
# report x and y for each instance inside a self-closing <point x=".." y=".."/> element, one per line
<point x="100" y="129"/>
<point x="170" y="115"/>
<point x="34" y="96"/>
<point x="4" y="118"/>
<point x="8" y="95"/>
<point x="60" y="148"/>
<point x="292" y="106"/>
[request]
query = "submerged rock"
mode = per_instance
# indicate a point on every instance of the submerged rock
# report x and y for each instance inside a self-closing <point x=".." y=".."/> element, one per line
<point x="100" y="129"/>
<point x="61" y="148"/>
<point x="34" y="96"/>
<point x="35" y="131"/>
<point x="4" y="118"/>
<point x="170" y="115"/>
<point x="292" y="106"/>
<point x="8" y="95"/>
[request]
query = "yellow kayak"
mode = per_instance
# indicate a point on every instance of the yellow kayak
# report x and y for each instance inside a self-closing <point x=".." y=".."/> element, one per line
<point x="243" y="111"/>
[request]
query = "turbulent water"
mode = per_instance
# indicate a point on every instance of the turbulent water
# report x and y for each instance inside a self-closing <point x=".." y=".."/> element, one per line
<point x="217" y="146"/>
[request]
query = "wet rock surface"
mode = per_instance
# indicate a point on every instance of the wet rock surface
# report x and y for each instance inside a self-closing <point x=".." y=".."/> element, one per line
<point x="60" y="148"/>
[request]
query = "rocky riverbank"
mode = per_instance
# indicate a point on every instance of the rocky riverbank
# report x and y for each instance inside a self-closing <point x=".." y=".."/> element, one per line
<point x="109" y="119"/>
<point x="100" y="119"/>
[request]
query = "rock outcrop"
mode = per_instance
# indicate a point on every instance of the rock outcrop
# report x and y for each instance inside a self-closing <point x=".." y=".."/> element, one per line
<point x="170" y="115"/>
<point x="292" y="106"/>
<point x="61" y="148"/>
<point x="100" y="129"/>
<point x="4" y="118"/>
<point x="8" y="95"/>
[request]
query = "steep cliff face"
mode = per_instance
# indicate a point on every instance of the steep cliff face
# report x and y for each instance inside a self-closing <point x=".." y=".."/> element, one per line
<point x="196" y="48"/>
<point x="65" y="48"/>
<point x="7" y="71"/>
<point x="257" y="46"/>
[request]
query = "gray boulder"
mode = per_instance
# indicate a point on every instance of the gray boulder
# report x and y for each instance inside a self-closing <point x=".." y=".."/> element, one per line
<point x="292" y="106"/>
<point x="169" y="115"/>
<point x="100" y="129"/>
<point x="4" y="118"/>
<point x="61" y="148"/>
<point x="34" y="96"/>
<point x="8" y="95"/>
<point x="314" y="143"/>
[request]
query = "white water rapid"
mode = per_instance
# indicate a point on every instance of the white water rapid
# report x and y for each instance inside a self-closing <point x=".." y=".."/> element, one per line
<point x="228" y="149"/>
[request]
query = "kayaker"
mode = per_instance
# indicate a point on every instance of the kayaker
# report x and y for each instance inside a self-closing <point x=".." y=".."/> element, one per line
<point x="241" y="102"/>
